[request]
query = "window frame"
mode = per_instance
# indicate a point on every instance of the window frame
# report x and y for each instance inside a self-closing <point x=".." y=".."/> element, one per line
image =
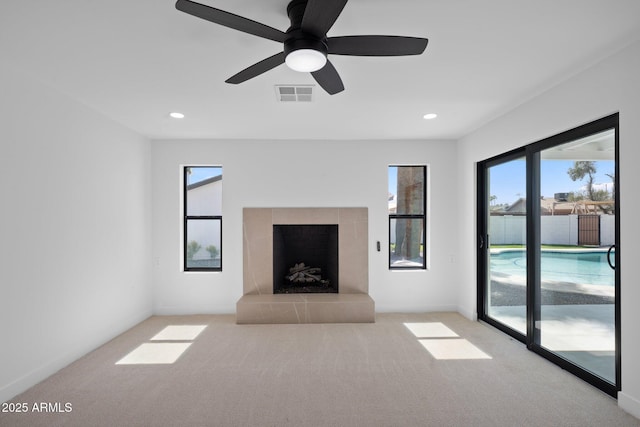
<point x="187" y="218"/>
<point x="422" y="216"/>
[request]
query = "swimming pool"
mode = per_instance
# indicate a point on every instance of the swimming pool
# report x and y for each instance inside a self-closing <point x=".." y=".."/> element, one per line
<point x="590" y="267"/>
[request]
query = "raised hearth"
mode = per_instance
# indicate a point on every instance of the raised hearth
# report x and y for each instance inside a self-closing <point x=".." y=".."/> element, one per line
<point x="305" y="308"/>
<point x="352" y="303"/>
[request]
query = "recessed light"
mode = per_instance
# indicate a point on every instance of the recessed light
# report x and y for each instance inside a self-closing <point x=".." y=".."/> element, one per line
<point x="430" y="116"/>
<point x="177" y="115"/>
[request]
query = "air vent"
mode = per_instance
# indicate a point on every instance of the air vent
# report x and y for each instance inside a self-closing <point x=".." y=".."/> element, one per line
<point x="294" y="93"/>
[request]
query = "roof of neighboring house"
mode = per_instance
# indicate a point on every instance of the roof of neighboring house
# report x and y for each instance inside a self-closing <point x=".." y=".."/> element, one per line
<point x="204" y="182"/>
<point x="550" y="206"/>
<point x="518" y="206"/>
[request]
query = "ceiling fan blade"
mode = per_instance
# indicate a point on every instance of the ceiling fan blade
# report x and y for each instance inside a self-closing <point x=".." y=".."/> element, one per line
<point x="319" y="16"/>
<point x="329" y="79"/>
<point x="230" y="20"/>
<point x="376" y="45"/>
<point x="257" y="69"/>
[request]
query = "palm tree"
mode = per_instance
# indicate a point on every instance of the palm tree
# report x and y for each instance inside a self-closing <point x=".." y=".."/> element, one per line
<point x="410" y="200"/>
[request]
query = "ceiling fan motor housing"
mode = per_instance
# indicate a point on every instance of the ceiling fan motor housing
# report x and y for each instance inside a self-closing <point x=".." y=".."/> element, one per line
<point x="298" y="39"/>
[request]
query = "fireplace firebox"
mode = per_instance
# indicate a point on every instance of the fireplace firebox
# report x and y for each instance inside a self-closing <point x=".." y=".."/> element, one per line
<point x="305" y="258"/>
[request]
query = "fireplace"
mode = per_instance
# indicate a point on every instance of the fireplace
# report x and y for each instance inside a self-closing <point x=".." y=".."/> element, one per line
<point x="305" y="258"/>
<point x="344" y="230"/>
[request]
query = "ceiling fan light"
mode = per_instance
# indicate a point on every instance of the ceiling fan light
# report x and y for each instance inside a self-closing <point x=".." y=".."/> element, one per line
<point x="305" y="60"/>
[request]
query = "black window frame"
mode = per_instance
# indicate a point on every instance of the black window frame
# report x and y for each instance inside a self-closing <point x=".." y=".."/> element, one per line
<point x="187" y="218"/>
<point x="423" y="217"/>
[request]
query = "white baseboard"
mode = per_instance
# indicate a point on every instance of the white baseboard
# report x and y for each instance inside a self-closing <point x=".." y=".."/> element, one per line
<point x="28" y="380"/>
<point x="384" y="308"/>
<point x="176" y="310"/>
<point x="22" y="384"/>
<point x="629" y="404"/>
<point x="469" y="314"/>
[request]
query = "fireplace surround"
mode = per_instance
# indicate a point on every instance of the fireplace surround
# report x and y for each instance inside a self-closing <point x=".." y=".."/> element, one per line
<point x="351" y="303"/>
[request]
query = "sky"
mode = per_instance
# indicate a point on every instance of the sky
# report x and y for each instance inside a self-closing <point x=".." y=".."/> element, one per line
<point x="508" y="180"/>
<point x="201" y="173"/>
<point x="393" y="179"/>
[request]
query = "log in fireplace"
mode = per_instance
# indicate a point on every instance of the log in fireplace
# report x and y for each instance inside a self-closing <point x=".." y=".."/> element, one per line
<point x="305" y="258"/>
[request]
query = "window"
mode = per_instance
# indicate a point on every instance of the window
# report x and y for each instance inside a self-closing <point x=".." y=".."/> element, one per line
<point x="202" y="245"/>
<point x="407" y="217"/>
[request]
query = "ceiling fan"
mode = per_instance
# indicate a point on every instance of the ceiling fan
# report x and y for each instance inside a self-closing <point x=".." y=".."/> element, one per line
<point x="306" y="44"/>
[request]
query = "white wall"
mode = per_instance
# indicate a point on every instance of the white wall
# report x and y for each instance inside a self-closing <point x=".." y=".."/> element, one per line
<point x="607" y="230"/>
<point x="554" y="230"/>
<point x="74" y="226"/>
<point x="302" y="174"/>
<point x="610" y="86"/>
<point x="559" y="230"/>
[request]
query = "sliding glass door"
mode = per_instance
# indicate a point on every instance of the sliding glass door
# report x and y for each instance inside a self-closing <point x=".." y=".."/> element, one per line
<point x="505" y="241"/>
<point x="548" y="270"/>
<point x="577" y="252"/>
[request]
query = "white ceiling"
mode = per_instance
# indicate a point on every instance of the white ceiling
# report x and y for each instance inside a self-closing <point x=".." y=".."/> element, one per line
<point x="137" y="60"/>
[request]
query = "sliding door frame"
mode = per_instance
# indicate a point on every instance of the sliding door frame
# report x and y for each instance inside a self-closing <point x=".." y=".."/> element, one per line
<point x="532" y="154"/>
<point x="483" y="239"/>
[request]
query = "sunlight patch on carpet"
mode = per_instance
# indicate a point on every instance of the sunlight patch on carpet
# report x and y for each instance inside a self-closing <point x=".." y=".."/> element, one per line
<point x="451" y="349"/>
<point x="154" y="354"/>
<point x="430" y="330"/>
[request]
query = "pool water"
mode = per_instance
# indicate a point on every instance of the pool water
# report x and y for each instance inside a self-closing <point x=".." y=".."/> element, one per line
<point x="576" y="267"/>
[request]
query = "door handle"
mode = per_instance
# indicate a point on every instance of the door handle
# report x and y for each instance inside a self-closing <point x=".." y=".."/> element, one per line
<point x="481" y="242"/>
<point x="613" y="267"/>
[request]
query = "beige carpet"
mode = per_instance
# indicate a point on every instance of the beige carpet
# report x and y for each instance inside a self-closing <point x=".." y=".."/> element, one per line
<point x="317" y="375"/>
